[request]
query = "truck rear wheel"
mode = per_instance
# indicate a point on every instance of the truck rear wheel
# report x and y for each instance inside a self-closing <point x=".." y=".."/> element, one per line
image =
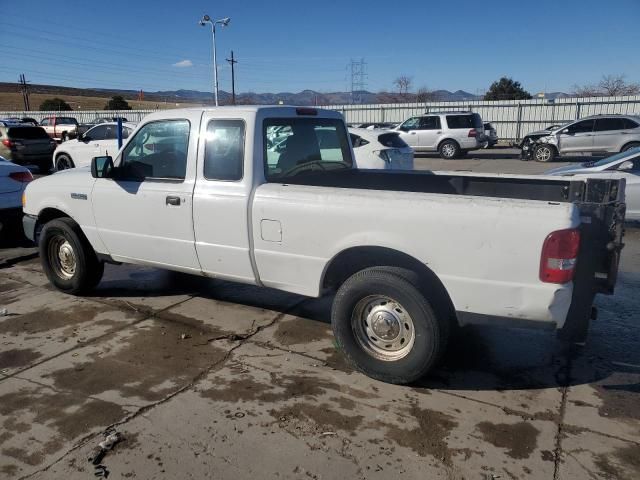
<point x="449" y="150"/>
<point x="386" y="327"/>
<point x="67" y="257"/>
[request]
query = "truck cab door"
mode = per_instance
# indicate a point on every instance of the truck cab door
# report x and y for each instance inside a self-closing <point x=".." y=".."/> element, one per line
<point x="144" y="214"/>
<point x="222" y="200"/>
<point x="577" y="137"/>
<point x="409" y="131"/>
<point x="430" y="132"/>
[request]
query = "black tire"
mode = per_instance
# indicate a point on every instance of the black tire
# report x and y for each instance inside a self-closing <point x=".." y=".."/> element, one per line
<point x="64" y="162"/>
<point x="87" y="270"/>
<point x="449" y="149"/>
<point x="629" y="146"/>
<point x="544" y="153"/>
<point x="430" y="333"/>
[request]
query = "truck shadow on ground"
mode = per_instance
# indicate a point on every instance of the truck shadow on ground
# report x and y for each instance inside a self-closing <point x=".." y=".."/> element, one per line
<point x="478" y="358"/>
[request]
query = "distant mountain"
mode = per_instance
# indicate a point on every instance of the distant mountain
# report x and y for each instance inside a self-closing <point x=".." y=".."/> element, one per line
<point x="305" y="97"/>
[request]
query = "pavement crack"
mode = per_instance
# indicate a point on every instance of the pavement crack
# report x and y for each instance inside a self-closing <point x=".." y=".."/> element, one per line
<point x="563" y="378"/>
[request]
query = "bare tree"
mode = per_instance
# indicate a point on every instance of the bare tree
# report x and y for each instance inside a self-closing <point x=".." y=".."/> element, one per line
<point x="615" y="85"/>
<point x="425" y="94"/>
<point x="403" y="83"/>
<point x="609" y="86"/>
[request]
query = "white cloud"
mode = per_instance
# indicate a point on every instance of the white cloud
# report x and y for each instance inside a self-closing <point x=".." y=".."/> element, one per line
<point x="183" y="64"/>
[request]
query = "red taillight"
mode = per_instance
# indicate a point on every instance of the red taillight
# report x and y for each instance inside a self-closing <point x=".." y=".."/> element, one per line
<point x="559" y="256"/>
<point x="7" y="143"/>
<point x="472" y="133"/>
<point x="23" y="177"/>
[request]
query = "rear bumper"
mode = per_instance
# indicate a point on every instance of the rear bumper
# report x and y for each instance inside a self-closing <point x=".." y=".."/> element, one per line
<point x="29" y="226"/>
<point x="26" y="159"/>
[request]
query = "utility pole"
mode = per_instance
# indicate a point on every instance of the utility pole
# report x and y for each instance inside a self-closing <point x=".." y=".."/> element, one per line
<point x="232" y="61"/>
<point x="24" y="87"/>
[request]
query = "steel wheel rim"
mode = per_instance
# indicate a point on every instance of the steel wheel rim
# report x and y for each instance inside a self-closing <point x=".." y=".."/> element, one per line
<point x="448" y="150"/>
<point x="543" y="154"/>
<point x="62" y="257"/>
<point x="383" y="328"/>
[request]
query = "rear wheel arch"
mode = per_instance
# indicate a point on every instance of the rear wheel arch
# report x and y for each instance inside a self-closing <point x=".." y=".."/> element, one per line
<point x="448" y="140"/>
<point x="355" y="259"/>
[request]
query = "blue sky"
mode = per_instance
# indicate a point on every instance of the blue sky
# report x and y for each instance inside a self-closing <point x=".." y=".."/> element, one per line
<point x="292" y="45"/>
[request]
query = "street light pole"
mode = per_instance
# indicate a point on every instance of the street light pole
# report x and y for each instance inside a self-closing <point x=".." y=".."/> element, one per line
<point x="224" y="22"/>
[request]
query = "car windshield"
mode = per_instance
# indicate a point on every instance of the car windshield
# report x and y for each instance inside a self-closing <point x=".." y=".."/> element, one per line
<point x="302" y="145"/>
<point x="614" y="158"/>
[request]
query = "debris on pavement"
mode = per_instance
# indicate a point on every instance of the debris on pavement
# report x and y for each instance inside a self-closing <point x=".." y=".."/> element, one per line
<point x="111" y="438"/>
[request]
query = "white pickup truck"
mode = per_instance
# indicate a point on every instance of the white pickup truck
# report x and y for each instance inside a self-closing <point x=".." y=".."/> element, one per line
<point x="410" y="255"/>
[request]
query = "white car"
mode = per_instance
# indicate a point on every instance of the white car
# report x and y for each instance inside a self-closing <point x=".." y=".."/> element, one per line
<point x="13" y="180"/>
<point x="99" y="140"/>
<point x="622" y="165"/>
<point x="380" y="149"/>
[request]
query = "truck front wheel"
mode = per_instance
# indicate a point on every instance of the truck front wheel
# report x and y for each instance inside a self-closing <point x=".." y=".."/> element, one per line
<point x="67" y="257"/>
<point x="386" y="327"/>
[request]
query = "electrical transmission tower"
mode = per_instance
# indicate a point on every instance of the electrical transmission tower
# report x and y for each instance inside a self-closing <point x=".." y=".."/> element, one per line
<point x="24" y="87"/>
<point x="358" y="80"/>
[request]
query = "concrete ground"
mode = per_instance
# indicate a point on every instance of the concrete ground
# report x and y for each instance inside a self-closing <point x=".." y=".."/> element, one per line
<point x="208" y="379"/>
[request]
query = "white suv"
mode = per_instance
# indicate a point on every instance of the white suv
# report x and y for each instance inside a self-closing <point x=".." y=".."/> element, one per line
<point x="452" y="134"/>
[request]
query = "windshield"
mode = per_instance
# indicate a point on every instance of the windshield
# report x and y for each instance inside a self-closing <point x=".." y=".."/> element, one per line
<point x="614" y="158"/>
<point x="295" y="146"/>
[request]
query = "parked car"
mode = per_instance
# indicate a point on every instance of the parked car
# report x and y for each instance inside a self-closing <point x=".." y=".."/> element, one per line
<point x="491" y="134"/>
<point x="409" y="253"/>
<point x="60" y="128"/>
<point x="380" y="149"/>
<point x="26" y="145"/>
<point x="13" y="180"/>
<point x="598" y="134"/>
<point x="99" y="140"/>
<point x="83" y="127"/>
<point x="622" y="165"/>
<point x="452" y="134"/>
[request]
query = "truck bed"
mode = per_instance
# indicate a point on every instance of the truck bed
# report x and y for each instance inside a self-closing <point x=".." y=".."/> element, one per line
<point x="541" y="188"/>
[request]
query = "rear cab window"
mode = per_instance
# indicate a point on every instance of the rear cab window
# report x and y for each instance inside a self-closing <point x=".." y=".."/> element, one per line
<point x="27" y="133"/>
<point x="66" y="121"/>
<point x="297" y="146"/>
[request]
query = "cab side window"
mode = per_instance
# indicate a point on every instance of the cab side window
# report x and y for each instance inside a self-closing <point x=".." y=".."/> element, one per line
<point x="430" y="123"/>
<point x="224" y="150"/>
<point x="585" y="126"/>
<point x="157" y="151"/>
<point x="97" y="133"/>
<point x="44" y="122"/>
<point x="411" y="124"/>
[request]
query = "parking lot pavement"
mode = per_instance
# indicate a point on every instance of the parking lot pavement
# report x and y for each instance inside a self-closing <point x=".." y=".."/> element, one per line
<point x="209" y="379"/>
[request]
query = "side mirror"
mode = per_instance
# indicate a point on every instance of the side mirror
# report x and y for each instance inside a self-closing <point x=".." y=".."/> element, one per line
<point x="102" y="167"/>
<point x="628" y="165"/>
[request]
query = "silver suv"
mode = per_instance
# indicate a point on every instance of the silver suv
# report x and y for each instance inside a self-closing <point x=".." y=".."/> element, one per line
<point x="452" y="134"/>
<point x="595" y="134"/>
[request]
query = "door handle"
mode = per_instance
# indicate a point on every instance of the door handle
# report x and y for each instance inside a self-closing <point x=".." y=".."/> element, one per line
<point x="412" y="133"/>
<point x="173" y="200"/>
